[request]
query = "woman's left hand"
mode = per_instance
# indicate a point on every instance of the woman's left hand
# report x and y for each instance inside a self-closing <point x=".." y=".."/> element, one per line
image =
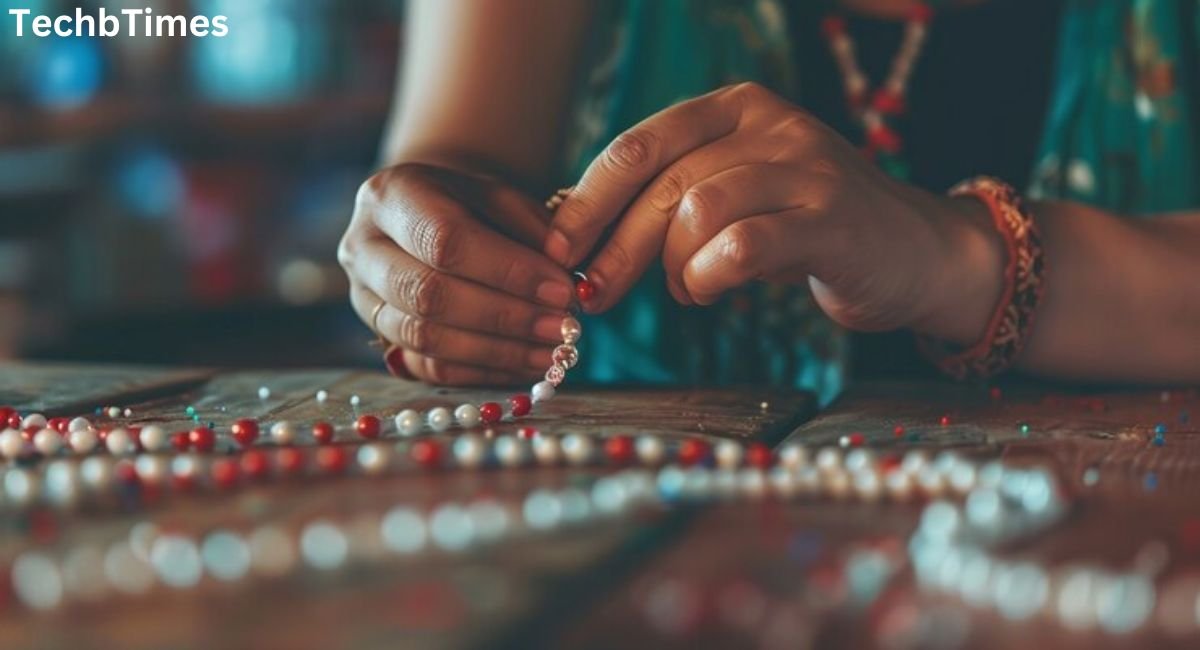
<point x="740" y="185"/>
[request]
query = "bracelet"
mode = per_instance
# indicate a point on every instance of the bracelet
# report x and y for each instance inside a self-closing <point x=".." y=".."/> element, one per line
<point x="1009" y="327"/>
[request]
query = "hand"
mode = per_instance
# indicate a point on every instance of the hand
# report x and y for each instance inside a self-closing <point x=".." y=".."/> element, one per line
<point x="469" y="299"/>
<point x="739" y="185"/>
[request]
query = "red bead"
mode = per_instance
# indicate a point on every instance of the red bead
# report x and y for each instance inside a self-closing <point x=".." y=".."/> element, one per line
<point x="759" y="455"/>
<point x="245" y="432"/>
<point x="527" y="433"/>
<point x="28" y="433"/>
<point x="619" y="449"/>
<point x="254" y="464"/>
<point x="898" y="430"/>
<point x="584" y="290"/>
<point x="323" y="433"/>
<point x="427" y="453"/>
<point x="58" y="424"/>
<point x="224" y="473"/>
<point x="126" y="473"/>
<point x="202" y="439"/>
<point x="490" y="412"/>
<point x="833" y="26"/>
<point x="693" y="451"/>
<point x="6" y="412"/>
<point x="888" y="102"/>
<point x="890" y="463"/>
<point x="881" y="138"/>
<point x="521" y="405"/>
<point x="331" y="460"/>
<point x="945" y="421"/>
<point x="368" y="426"/>
<point x="14" y="420"/>
<point x="856" y="439"/>
<point x="180" y="440"/>
<point x="102" y="435"/>
<point x="289" y="460"/>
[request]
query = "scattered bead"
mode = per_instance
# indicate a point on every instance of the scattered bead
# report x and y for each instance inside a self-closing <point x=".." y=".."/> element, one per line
<point x="898" y="431"/>
<point x="408" y="422"/>
<point x="368" y="426"/>
<point x="793" y="456"/>
<point x="546" y="449"/>
<point x="650" y="449"/>
<point x="153" y="438"/>
<point x="728" y="454"/>
<point x="577" y="448"/>
<point x="254" y="464"/>
<point x="79" y="424"/>
<point x="527" y="433"/>
<point x="322" y="432"/>
<point x="852" y="440"/>
<point x="510" y="451"/>
<point x="693" y="452"/>
<point x="180" y="440"/>
<point x="944" y="421"/>
<point x="427" y="453"/>
<point x="469" y="450"/>
<point x="35" y="421"/>
<point x="619" y="449"/>
<point x="322" y="395"/>
<point x="467" y="416"/>
<point x="58" y="424"/>
<point x="289" y="460"/>
<point x="520" y="405"/>
<point x="244" y="431"/>
<point x="542" y="391"/>
<point x="355" y="400"/>
<point x="283" y="433"/>
<point x="202" y="438"/>
<point x="373" y="458"/>
<point x="264" y="392"/>
<point x="224" y="473"/>
<point x="490" y="412"/>
<point x="114" y="412"/>
<point x="440" y="418"/>
<point x="759" y="455"/>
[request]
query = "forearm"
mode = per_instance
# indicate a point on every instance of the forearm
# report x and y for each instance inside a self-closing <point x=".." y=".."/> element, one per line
<point x="485" y="85"/>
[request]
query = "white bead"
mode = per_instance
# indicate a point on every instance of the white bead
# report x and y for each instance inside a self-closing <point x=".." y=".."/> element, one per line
<point x="96" y="473"/>
<point x="782" y="480"/>
<point x="546" y="449"/>
<point x="829" y="459"/>
<point x="322" y="395"/>
<point x="650" y="449"/>
<point x="867" y="485"/>
<point x="34" y="420"/>
<point x="186" y="466"/>
<point x="264" y="392"/>
<point x="931" y="481"/>
<point x="793" y="456"/>
<point x="408" y="422"/>
<point x="114" y="411"/>
<point x="858" y="460"/>
<point x="47" y="441"/>
<point x="837" y="483"/>
<point x="914" y="461"/>
<point x="79" y="424"/>
<point x="11" y="444"/>
<point x="82" y="440"/>
<point x="728" y="454"/>
<point x="542" y="391"/>
<point x="808" y="479"/>
<point x="119" y="442"/>
<point x="152" y="469"/>
<point x="439" y="418"/>
<point x="577" y="448"/>
<point x="283" y="433"/>
<point x="373" y="458"/>
<point x="752" y="482"/>
<point x="128" y="412"/>
<point x="898" y="485"/>
<point x="469" y="450"/>
<point x="61" y="484"/>
<point x="510" y="451"/>
<point x="154" y="438"/>
<point x="467" y="416"/>
<point x="20" y="486"/>
<point x="355" y="400"/>
<point x="962" y="477"/>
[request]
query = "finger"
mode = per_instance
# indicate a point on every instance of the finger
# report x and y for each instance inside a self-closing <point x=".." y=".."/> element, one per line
<point x="640" y="233"/>
<point x="633" y="159"/>
<point x="440" y="232"/>
<point x="714" y="203"/>
<point x="413" y="288"/>
<point x="746" y="250"/>
<point x="449" y="373"/>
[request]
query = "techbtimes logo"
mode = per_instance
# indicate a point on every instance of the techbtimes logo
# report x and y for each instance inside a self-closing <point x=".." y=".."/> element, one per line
<point x="133" y="22"/>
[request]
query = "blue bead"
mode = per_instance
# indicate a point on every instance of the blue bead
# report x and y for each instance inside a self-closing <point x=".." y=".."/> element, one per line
<point x="1159" y="440"/>
<point x="1160" y="428"/>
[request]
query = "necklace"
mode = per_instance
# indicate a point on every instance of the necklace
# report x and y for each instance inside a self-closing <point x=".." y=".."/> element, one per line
<point x="875" y="110"/>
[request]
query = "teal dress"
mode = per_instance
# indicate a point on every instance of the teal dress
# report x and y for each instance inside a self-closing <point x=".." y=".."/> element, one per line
<point x="1118" y="135"/>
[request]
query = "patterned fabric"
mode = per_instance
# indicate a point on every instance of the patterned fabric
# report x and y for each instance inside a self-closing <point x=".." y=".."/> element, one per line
<point x="1119" y="134"/>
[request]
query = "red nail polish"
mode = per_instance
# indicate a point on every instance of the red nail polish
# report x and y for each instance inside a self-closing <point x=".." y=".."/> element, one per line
<point x="394" y="359"/>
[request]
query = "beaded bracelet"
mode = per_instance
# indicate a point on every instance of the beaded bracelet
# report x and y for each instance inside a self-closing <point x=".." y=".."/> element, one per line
<point x="1010" y="325"/>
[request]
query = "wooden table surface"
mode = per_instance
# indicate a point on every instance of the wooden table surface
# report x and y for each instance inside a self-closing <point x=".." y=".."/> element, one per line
<point x="747" y="573"/>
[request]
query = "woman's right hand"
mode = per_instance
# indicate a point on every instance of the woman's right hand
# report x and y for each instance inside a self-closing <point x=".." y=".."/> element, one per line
<point x="469" y="298"/>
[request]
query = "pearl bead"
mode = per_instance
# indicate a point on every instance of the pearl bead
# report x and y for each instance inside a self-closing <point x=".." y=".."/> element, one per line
<point x="650" y="449"/>
<point x="467" y="416"/>
<point x="510" y="451"/>
<point x="408" y="422"/>
<point x="355" y="400"/>
<point x="439" y="418"/>
<point x="469" y="450"/>
<point x="372" y="458"/>
<point x="120" y="442"/>
<point x="11" y="443"/>
<point x="728" y="454"/>
<point x="931" y="481"/>
<point x="264" y="392"/>
<point x="152" y="469"/>
<point x="542" y="391"/>
<point x="47" y="441"/>
<point x="859" y="460"/>
<point x="34" y="421"/>
<point x="555" y="375"/>
<point x="914" y="461"/>
<point x="322" y="395"/>
<point x="808" y="479"/>
<point x="867" y="485"/>
<point x="962" y="477"/>
<point x="546" y="449"/>
<point x="114" y="412"/>
<point x="79" y="424"/>
<point x="154" y="438"/>
<point x="82" y="440"/>
<point x="571" y="330"/>
<point x="898" y="485"/>
<point x="61" y="483"/>
<point x="782" y="480"/>
<point x="837" y="484"/>
<point x="577" y="448"/>
<point x="283" y="433"/>
<point x="793" y="456"/>
<point x="565" y="355"/>
<point x="752" y="482"/>
<point x="96" y="473"/>
<point x="829" y="459"/>
<point x="20" y="486"/>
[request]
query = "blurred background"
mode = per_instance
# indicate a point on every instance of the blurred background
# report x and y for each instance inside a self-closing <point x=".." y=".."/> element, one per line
<point x="180" y="200"/>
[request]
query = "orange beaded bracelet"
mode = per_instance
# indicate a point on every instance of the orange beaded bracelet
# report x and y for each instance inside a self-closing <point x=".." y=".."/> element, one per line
<point x="1010" y="325"/>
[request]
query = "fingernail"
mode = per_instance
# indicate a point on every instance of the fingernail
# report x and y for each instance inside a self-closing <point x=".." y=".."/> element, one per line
<point x="548" y="328"/>
<point x="557" y="247"/>
<point x="394" y="359"/>
<point x="554" y="293"/>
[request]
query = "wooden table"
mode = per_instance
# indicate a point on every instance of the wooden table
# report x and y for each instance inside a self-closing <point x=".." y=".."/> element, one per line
<point x="745" y="573"/>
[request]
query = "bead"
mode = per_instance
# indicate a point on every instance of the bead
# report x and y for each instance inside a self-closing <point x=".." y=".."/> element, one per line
<point x="180" y="441"/>
<point x="944" y="420"/>
<point x="851" y="440"/>
<point x="283" y="433"/>
<point x="898" y="485"/>
<point x="79" y="424"/>
<point x="427" y="453"/>
<point x="202" y="439"/>
<point x="322" y="432"/>
<point x="82" y="441"/>
<point x="119" y="442"/>
<point x="584" y="290"/>
<point x="542" y="391"/>
<point x="153" y="438"/>
<point x="692" y="452"/>
<point x="546" y="449"/>
<point x="331" y="460"/>
<point x="510" y="451"/>
<point x="577" y="448"/>
<point x="490" y="412"/>
<point x="650" y="449"/>
<point x="408" y="422"/>
<point x="728" y="454"/>
<point x="520" y="405"/>
<point x="244" y="431"/>
<point x="565" y="355"/>
<point x="469" y="450"/>
<point x="34" y="421"/>
<point x="355" y="400"/>
<point x="759" y="455"/>
<point x="793" y="456"/>
<point x="619" y="449"/>
<point x="264" y="392"/>
<point x="571" y="330"/>
<point x="467" y="416"/>
<point x="290" y="460"/>
<point x="224" y="472"/>
<point x="114" y="412"/>
<point x="829" y="459"/>
<point x="440" y="418"/>
<point x="254" y="464"/>
<point x="867" y="485"/>
<point x="555" y="375"/>
<point x="14" y="421"/>
<point x="58" y="424"/>
<point x="527" y="433"/>
<point x="322" y="395"/>
<point x="367" y="426"/>
<point x="47" y="441"/>
<point x="898" y="431"/>
<point x="373" y="458"/>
